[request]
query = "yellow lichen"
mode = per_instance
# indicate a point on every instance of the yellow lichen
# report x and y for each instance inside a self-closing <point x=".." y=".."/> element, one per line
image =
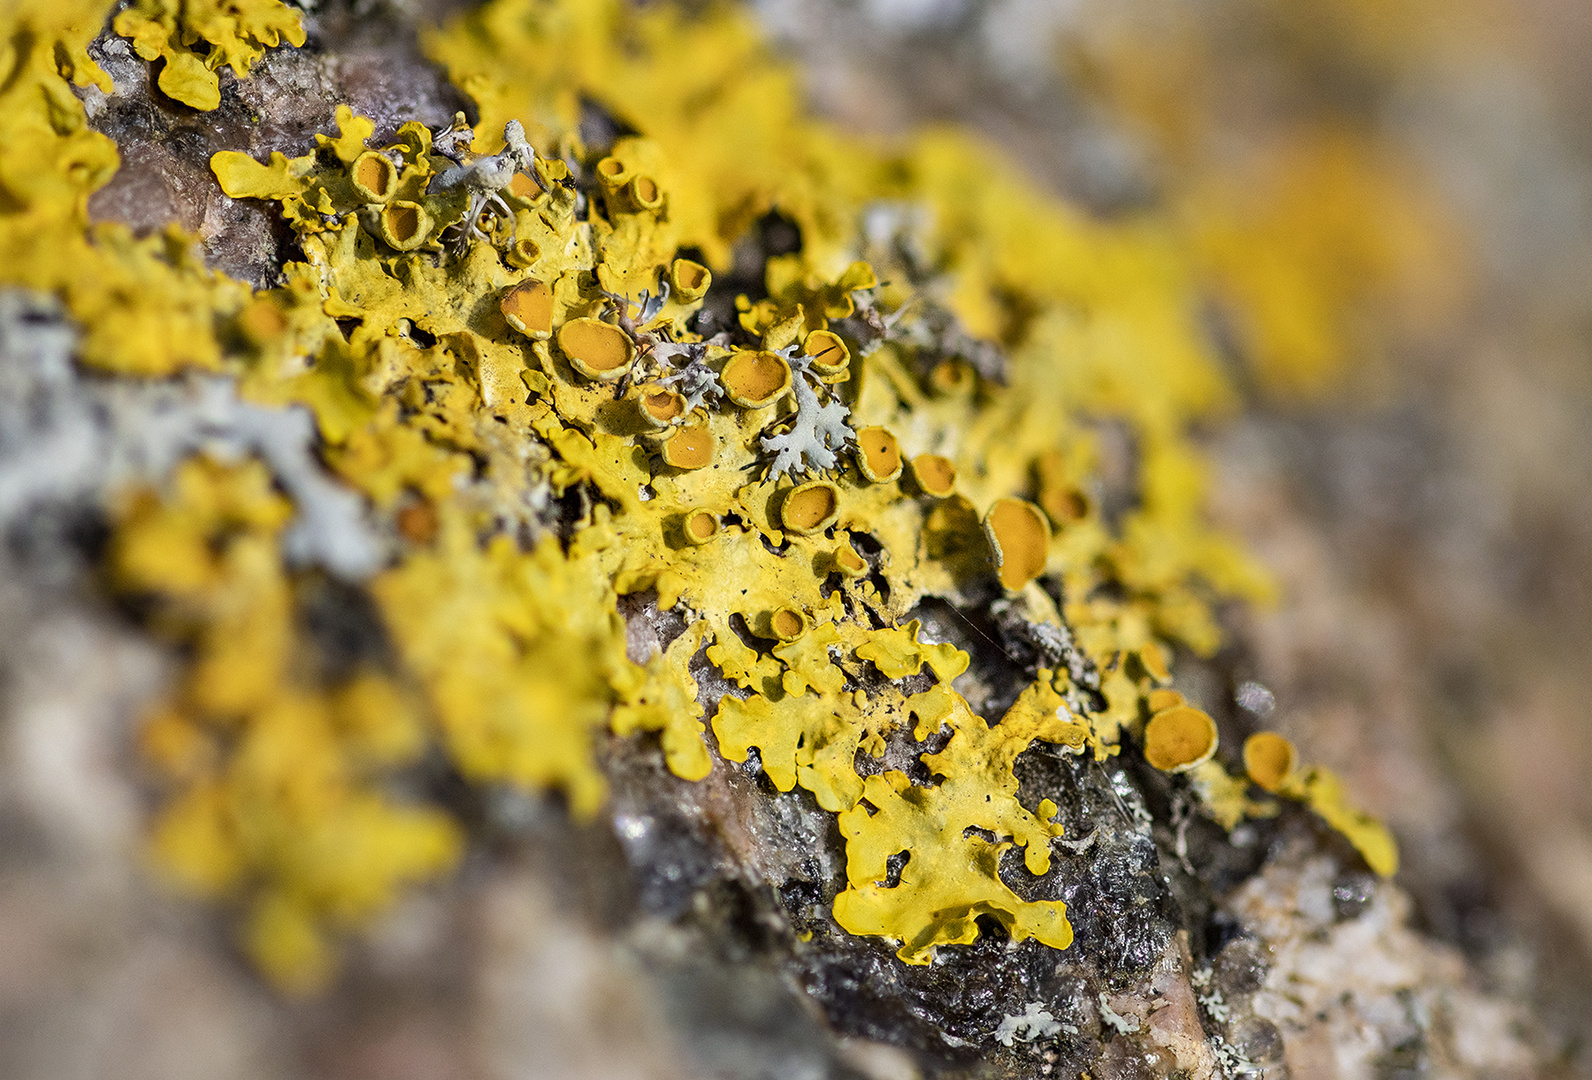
<point x="659" y="407"/>
<point x="667" y="703"/>
<point x="374" y="176"/>
<point x="1178" y="738"/>
<point x="458" y="367"/>
<point x="1269" y="759"/>
<point x="690" y="279"/>
<point x="528" y="307"/>
<point x="1322" y="790"/>
<point x="934" y="474"/>
<point x="277" y="798"/>
<point x="196" y="38"/>
<point x="596" y="349"/>
<point x="689" y="448"/>
<point x="848" y="562"/>
<point x="521" y="652"/>
<point x="831" y="359"/>
<point x="788" y="623"/>
<point x="951" y="874"/>
<point x="404" y="225"/>
<point x="810" y="508"/>
<point x="700" y="526"/>
<point x="1019" y="541"/>
<point x="878" y="455"/>
<point x="898" y="653"/>
<point x="1319" y="238"/>
<point x="755" y="380"/>
<point x="1225" y="798"/>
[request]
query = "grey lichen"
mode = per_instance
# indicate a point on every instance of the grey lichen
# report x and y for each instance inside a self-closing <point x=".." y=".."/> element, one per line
<point x="484" y="178"/>
<point x="68" y="437"/>
<point x="1123" y="1025"/>
<point x="1034" y="1023"/>
<point x="696" y="382"/>
<point x="816" y="432"/>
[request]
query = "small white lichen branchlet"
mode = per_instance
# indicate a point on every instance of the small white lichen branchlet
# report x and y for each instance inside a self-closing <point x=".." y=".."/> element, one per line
<point x="492" y="173"/>
<point x="453" y="142"/>
<point x="1031" y="1024"/>
<point x="1124" y="1025"/>
<point x="696" y="382"/>
<point x="872" y="327"/>
<point x="1078" y="847"/>
<point x="647" y="306"/>
<point x="1233" y="1062"/>
<point x="653" y="348"/>
<point x="1209" y="998"/>
<point x="817" y="431"/>
<point x="484" y="178"/>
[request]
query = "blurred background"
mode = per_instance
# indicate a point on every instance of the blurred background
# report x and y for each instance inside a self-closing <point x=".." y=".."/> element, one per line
<point x="1400" y="191"/>
<point x="1403" y="190"/>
